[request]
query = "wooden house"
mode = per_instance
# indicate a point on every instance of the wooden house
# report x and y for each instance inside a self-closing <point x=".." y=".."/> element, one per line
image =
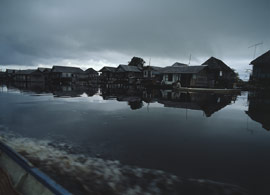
<point x="261" y="68"/>
<point x="91" y="75"/>
<point x="219" y="74"/>
<point x="2" y="76"/>
<point x="128" y="73"/>
<point x="65" y="74"/>
<point x="46" y="73"/>
<point x="10" y="74"/>
<point x="30" y="75"/>
<point x="107" y="74"/>
<point x="187" y="76"/>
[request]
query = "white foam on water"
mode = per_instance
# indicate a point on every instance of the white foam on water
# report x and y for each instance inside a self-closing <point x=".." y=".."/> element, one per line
<point x="87" y="175"/>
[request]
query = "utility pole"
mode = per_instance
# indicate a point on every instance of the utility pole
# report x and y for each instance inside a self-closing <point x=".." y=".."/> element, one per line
<point x="255" y="48"/>
<point x="149" y="61"/>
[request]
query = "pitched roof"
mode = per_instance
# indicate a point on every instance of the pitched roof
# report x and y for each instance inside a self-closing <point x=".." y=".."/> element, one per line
<point x="157" y="68"/>
<point x="107" y="69"/>
<point x="67" y="69"/>
<point x="127" y="68"/>
<point x="44" y="69"/>
<point x="216" y="64"/>
<point x="11" y="70"/>
<point x="177" y="64"/>
<point x="263" y="59"/>
<point x="28" y="71"/>
<point x="90" y="70"/>
<point x="183" y="69"/>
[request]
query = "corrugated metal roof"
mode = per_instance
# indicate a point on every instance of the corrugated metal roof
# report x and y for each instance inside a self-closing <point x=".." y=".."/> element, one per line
<point x="183" y="69"/>
<point x="156" y="68"/>
<point x="44" y="69"/>
<point x="127" y="68"/>
<point x="11" y="71"/>
<point x="28" y="71"/>
<point x="67" y="69"/>
<point x="263" y="59"/>
<point x="177" y="64"/>
<point x="107" y="69"/>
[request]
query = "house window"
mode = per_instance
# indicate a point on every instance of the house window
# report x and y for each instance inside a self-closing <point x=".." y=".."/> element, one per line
<point x="220" y="73"/>
<point x="145" y="73"/>
<point x="170" y="77"/>
<point x="194" y="76"/>
<point x="166" y="77"/>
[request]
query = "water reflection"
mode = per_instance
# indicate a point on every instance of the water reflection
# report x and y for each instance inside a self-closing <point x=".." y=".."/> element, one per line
<point x="56" y="90"/>
<point x="259" y="107"/>
<point x="136" y="97"/>
<point x="217" y="147"/>
<point x="209" y="103"/>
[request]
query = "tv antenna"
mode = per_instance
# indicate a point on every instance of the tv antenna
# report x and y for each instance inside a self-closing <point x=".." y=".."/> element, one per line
<point x="255" y="48"/>
<point x="189" y="59"/>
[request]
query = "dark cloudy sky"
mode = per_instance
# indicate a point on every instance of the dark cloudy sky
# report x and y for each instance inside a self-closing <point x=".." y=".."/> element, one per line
<point x="94" y="33"/>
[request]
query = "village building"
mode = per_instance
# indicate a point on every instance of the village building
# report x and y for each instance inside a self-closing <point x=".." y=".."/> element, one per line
<point x="219" y="74"/>
<point x="261" y="68"/>
<point x="127" y="73"/>
<point x="30" y="75"/>
<point x="46" y="73"/>
<point x="10" y="74"/>
<point x="107" y="74"/>
<point x="2" y="76"/>
<point x="65" y="74"/>
<point x="91" y="75"/>
<point x="185" y="76"/>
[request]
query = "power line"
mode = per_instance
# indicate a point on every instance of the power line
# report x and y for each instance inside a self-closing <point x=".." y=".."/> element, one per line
<point x="255" y="48"/>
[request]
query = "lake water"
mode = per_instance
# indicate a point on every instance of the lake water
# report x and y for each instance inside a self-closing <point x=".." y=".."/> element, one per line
<point x="133" y="141"/>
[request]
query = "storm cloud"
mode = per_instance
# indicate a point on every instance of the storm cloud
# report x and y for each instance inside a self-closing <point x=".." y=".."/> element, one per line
<point x="102" y="32"/>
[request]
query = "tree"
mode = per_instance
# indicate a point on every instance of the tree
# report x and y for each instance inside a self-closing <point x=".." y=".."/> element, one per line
<point x="136" y="61"/>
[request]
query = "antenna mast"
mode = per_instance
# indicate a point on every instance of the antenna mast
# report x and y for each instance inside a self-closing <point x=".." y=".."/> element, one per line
<point x="189" y="59"/>
<point x="255" y="48"/>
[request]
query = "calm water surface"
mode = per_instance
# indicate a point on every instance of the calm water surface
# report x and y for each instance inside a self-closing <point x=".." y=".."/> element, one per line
<point x="200" y="136"/>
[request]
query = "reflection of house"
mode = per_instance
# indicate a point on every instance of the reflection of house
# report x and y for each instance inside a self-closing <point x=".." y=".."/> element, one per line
<point x="107" y="74"/>
<point x="259" y="107"/>
<point x="29" y="76"/>
<point x="261" y="68"/>
<point x="219" y="74"/>
<point x="188" y="76"/>
<point x="208" y="103"/>
<point x="64" y="74"/>
<point x="131" y="95"/>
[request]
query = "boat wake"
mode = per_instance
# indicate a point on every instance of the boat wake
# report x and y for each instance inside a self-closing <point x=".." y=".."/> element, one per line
<point x="81" y="174"/>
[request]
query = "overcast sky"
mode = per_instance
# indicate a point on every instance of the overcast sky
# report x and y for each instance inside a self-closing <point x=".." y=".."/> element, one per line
<point x="94" y="33"/>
